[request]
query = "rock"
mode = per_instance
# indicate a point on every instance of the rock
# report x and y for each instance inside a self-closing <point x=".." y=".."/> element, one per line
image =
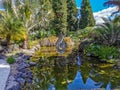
<point x="20" y="54"/>
<point x="3" y="43"/>
<point x="14" y="47"/>
<point x="51" y="41"/>
<point x="38" y="46"/>
<point x="26" y="57"/>
<point x="11" y="78"/>
<point x="34" y="49"/>
<point x="22" y="66"/>
<point x="27" y="74"/>
<point x="18" y="75"/>
<point x="23" y="70"/>
<point x="13" y="86"/>
<point x="45" y="42"/>
<point x="32" y="64"/>
<point x="28" y="80"/>
<point x="20" y="72"/>
<point x="2" y="56"/>
<point x="21" y="81"/>
<point x="30" y="75"/>
<point x="9" y="50"/>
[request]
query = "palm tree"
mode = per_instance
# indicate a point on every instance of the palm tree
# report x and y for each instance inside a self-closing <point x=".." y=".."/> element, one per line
<point x="113" y="2"/>
<point x="31" y="13"/>
<point x="11" y="28"/>
<point x="109" y="32"/>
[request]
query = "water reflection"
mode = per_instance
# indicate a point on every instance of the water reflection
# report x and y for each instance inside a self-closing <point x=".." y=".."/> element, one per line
<point x="108" y="87"/>
<point x="51" y="87"/>
<point x="93" y="73"/>
<point x="78" y="60"/>
<point x="78" y="83"/>
<point x="55" y="72"/>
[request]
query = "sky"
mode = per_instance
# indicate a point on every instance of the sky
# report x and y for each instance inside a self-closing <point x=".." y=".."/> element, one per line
<point x="97" y="5"/>
<point x="99" y="10"/>
<point x="106" y="13"/>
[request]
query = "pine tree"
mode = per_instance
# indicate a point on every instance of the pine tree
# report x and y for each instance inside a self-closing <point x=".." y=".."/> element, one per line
<point x="87" y="18"/>
<point x="60" y="15"/>
<point x="71" y="14"/>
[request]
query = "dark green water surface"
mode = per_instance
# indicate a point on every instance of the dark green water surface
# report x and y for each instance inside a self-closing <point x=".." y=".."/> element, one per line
<point x="60" y="69"/>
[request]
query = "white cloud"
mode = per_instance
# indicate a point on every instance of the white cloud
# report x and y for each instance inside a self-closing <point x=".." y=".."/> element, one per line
<point x="104" y="13"/>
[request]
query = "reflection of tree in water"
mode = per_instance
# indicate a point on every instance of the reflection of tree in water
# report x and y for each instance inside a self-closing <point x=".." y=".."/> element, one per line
<point x="57" y="70"/>
<point x="60" y="71"/>
<point x="43" y="73"/>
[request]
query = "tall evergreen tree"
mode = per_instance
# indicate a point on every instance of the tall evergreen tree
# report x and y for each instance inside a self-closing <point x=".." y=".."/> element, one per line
<point x="71" y="14"/>
<point x="60" y="15"/>
<point x="87" y="18"/>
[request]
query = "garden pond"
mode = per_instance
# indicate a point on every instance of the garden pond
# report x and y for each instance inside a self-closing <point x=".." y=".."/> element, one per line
<point x="69" y="70"/>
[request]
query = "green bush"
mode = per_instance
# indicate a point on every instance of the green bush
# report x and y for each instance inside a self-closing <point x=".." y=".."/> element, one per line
<point x="10" y="60"/>
<point x="102" y="51"/>
<point x="81" y="34"/>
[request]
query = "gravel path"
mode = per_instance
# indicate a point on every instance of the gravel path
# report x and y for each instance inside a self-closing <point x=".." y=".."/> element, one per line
<point x="4" y="73"/>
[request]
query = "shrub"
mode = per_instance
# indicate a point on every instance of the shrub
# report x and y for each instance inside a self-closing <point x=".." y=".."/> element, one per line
<point x="10" y="60"/>
<point x="82" y="34"/>
<point x="102" y="51"/>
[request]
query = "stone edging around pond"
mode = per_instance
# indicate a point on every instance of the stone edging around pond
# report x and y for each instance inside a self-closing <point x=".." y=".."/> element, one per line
<point x="20" y="72"/>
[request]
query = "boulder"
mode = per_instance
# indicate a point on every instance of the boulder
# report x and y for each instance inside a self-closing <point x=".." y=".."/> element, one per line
<point x="32" y="64"/>
<point x="13" y="47"/>
<point x="51" y="41"/>
<point x="26" y="57"/>
<point x="13" y="85"/>
<point x="21" y="66"/>
<point x="21" y="81"/>
<point x="2" y="56"/>
<point x="45" y="42"/>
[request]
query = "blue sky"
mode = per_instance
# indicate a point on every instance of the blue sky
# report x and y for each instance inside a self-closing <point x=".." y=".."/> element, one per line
<point x="97" y="5"/>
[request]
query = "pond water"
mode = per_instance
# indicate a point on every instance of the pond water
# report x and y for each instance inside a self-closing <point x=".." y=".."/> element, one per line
<point x="70" y="71"/>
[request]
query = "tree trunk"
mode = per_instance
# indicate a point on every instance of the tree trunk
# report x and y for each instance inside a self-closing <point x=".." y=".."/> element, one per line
<point x="8" y="39"/>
